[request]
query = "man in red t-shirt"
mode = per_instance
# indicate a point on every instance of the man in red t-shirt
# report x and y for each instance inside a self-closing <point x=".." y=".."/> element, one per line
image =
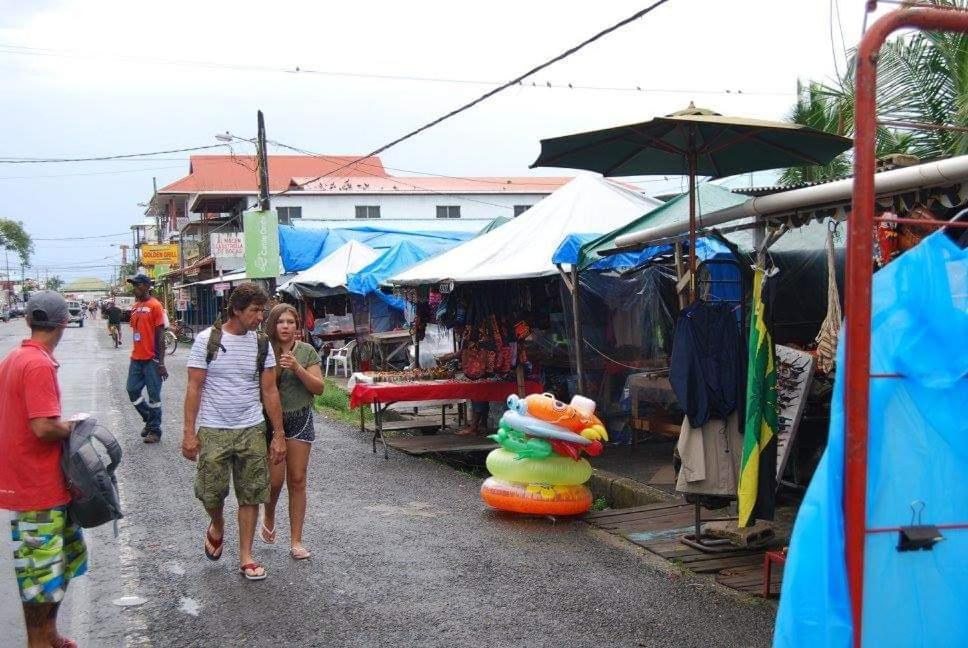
<point x="147" y="369"/>
<point x="48" y="548"/>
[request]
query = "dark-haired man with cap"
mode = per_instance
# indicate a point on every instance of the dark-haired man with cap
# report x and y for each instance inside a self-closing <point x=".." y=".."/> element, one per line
<point x="147" y="369"/>
<point x="48" y="548"/>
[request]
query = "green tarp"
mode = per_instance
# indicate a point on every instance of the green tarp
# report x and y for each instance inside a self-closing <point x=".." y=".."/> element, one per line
<point x="709" y="198"/>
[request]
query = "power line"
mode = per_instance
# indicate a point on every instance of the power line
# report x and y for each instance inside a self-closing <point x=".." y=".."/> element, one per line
<point x="301" y="70"/>
<point x="32" y="160"/>
<point x="500" y="88"/>
<point x="83" y="238"/>
<point x="92" y="173"/>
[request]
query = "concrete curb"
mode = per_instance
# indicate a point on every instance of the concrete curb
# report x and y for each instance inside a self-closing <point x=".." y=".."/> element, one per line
<point x="622" y="492"/>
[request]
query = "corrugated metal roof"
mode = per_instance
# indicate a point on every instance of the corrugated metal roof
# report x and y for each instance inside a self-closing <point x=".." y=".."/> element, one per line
<point x="428" y="184"/>
<point x="237" y="172"/>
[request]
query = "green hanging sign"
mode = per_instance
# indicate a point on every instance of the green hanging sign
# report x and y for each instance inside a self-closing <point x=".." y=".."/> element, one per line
<point x="261" y="244"/>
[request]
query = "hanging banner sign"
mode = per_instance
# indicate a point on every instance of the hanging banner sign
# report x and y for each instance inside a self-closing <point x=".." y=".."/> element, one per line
<point x="152" y="255"/>
<point x="221" y="286"/>
<point x="228" y="249"/>
<point x="261" y="244"/>
<point x="181" y="305"/>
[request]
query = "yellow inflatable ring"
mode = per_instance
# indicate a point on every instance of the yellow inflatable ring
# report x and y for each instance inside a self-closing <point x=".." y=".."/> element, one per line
<point x="555" y="470"/>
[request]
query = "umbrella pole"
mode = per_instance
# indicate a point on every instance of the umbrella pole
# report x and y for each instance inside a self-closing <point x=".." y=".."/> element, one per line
<point x="692" y="224"/>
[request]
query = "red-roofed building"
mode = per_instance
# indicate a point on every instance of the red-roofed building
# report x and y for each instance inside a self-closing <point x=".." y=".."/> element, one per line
<point x="331" y="191"/>
<point x="341" y="191"/>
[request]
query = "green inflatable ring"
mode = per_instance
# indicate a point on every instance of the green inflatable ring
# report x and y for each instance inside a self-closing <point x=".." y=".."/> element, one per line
<point x="555" y="470"/>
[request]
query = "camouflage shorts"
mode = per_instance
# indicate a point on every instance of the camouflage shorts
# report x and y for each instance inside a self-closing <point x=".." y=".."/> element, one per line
<point x="48" y="551"/>
<point x="241" y="452"/>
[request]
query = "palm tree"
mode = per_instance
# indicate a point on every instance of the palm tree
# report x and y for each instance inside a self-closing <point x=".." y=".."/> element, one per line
<point x="922" y="79"/>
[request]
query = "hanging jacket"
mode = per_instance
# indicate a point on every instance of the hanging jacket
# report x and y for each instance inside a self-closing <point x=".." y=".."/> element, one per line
<point x="706" y="369"/>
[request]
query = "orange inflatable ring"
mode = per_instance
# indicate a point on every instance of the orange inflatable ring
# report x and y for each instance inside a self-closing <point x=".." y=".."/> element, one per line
<point x="537" y="499"/>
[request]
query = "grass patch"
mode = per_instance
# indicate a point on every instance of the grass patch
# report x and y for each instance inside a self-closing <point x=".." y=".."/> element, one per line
<point x="335" y="403"/>
<point x="600" y="504"/>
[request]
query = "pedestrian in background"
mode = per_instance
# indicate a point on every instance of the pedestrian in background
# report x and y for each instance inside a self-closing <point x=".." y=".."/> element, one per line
<point x="48" y="548"/>
<point x="147" y="369"/>
<point x="230" y="376"/>
<point x="300" y="381"/>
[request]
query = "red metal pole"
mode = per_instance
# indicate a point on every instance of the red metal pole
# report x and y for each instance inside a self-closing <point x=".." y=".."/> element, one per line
<point x="857" y="297"/>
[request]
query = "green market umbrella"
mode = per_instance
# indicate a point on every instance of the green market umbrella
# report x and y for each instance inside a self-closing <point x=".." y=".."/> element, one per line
<point x="693" y="142"/>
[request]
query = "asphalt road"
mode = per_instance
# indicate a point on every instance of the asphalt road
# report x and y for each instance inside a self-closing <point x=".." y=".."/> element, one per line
<point x="404" y="553"/>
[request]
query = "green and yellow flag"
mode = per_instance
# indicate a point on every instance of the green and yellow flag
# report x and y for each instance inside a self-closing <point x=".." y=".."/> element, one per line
<point x="757" y="479"/>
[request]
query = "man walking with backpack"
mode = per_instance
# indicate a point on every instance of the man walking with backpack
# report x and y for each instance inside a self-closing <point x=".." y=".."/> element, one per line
<point x="48" y="547"/>
<point x="147" y="369"/>
<point x="230" y="378"/>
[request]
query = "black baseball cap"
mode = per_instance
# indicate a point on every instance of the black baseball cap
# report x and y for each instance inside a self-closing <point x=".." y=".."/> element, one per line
<point x="140" y="279"/>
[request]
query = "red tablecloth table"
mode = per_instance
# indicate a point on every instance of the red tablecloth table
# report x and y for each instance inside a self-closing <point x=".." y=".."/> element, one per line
<point x="380" y="395"/>
<point x="425" y="390"/>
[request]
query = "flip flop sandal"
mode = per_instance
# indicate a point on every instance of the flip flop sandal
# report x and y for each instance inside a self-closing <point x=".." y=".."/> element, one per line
<point x="215" y="543"/>
<point x="268" y="535"/>
<point x="302" y="554"/>
<point x="63" y="642"/>
<point x="252" y="567"/>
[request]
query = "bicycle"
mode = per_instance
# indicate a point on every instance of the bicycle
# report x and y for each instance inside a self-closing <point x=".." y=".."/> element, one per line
<point x="179" y="332"/>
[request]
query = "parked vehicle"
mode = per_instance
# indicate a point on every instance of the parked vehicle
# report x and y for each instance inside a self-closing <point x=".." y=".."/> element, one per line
<point x="16" y="311"/>
<point x="76" y="311"/>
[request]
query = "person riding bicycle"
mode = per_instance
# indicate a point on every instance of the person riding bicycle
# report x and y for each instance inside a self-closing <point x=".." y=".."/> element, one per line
<point x="114" y="320"/>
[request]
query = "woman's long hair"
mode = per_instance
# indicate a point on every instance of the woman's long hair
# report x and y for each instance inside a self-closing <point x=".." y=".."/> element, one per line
<point x="272" y="329"/>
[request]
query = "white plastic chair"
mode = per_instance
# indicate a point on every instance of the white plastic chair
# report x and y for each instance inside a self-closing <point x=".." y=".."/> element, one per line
<point x="342" y="356"/>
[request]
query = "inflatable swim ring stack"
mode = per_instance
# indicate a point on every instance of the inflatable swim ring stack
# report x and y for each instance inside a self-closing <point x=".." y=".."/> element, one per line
<point x="539" y="467"/>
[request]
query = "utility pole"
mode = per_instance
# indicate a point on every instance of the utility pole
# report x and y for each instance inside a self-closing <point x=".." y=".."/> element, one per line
<point x="263" y="163"/>
<point x="154" y="194"/>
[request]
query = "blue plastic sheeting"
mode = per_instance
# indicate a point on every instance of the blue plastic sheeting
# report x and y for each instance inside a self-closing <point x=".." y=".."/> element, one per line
<point x="570" y="249"/>
<point x="302" y="248"/>
<point x="400" y="257"/>
<point x="918" y="450"/>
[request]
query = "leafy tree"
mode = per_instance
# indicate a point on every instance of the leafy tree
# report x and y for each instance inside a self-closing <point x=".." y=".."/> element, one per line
<point x="54" y="283"/>
<point x="14" y="237"/>
<point x="922" y="78"/>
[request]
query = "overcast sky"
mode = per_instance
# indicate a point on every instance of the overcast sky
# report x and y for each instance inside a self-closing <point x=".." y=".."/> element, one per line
<point x="85" y="78"/>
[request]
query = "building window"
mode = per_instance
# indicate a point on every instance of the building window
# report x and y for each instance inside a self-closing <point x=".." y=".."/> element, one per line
<point x="448" y="211"/>
<point x="367" y="211"/>
<point x="520" y="209"/>
<point x="288" y="214"/>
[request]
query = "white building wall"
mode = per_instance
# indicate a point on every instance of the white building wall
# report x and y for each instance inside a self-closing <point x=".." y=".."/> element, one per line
<point x="476" y="210"/>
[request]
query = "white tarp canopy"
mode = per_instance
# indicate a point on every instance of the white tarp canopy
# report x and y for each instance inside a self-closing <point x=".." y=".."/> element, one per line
<point x="523" y="248"/>
<point x="331" y="272"/>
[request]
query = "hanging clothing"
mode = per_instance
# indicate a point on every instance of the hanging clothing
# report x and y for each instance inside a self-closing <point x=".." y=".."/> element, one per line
<point x="710" y="457"/>
<point x="917" y="452"/>
<point x="706" y="369"/>
<point x="830" y="328"/>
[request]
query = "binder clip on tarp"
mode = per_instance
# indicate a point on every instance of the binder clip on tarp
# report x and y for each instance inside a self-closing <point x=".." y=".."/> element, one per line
<point x="918" y="536"/>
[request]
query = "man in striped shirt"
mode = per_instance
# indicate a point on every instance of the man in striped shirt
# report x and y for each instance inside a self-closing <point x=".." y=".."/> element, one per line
<point x="225" y="429"/>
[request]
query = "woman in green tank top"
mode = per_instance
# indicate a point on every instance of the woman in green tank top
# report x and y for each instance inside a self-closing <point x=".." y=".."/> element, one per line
<point x="300" y="380"/>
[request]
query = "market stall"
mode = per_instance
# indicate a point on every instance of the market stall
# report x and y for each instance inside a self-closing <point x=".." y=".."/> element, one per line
<point x="499" y="292"/>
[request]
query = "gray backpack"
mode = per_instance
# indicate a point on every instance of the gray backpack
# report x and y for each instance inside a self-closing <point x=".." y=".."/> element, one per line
<point x="93" y="486"/>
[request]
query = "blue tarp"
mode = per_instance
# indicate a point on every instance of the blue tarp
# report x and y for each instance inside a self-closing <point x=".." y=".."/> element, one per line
<point x="917" y="452"/>
<point x="302" y="248"/>
<point x="401" y="256"/>
<point x="570" y="249"/>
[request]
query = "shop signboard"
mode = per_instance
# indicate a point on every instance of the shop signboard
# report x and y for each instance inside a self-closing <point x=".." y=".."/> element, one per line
<point x="153" y="254"/>
<point x="261" y="244"/>
<point x="192" y="250"/>
<point x="183" y="294"/>
<point x="181" y="305"/>
<point x="228" y="248"/>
